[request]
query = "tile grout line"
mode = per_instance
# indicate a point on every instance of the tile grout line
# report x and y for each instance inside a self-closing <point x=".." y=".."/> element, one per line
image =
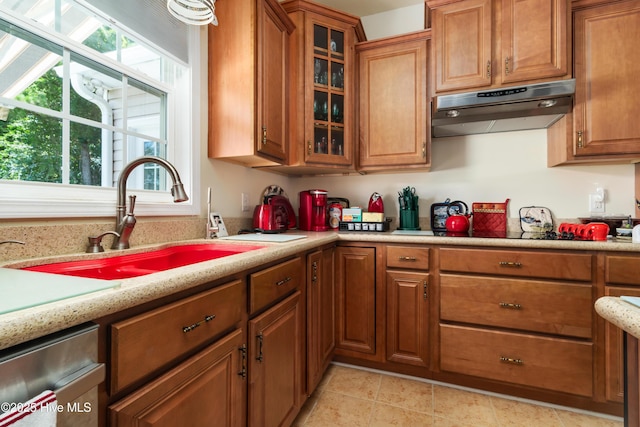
<point x="375" y="400"/>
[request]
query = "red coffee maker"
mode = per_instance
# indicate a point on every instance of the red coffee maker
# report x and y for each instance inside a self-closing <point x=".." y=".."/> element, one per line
<point x="313" y="210"/>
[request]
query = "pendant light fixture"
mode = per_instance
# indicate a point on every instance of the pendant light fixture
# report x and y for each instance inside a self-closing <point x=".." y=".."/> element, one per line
<point x="194" y="12"/>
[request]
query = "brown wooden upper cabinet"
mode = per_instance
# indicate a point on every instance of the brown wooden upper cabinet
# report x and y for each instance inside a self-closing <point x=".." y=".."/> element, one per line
<point x="322" y="87"/>
<point x="395" y="126"/>
<point x="603" y="127"/>
<point x="248" y="83"/>
<point x="493" y="43"/>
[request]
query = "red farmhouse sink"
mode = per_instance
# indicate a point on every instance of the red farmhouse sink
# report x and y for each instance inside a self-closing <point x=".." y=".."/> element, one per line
<point x="134" y="265"/>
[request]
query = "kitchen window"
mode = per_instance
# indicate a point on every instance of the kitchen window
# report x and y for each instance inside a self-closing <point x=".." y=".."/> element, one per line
<point x="81" y="96"/>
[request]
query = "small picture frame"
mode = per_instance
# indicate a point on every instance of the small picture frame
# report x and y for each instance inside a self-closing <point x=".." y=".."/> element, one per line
<point x="439" y="215"/>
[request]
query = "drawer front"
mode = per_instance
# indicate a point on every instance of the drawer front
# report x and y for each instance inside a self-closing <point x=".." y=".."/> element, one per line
<point x="144" y="343"/>
<point x="549" y="307"/>
<point x="409" y="257"/>
<point x="624" y="270"/>
<point x="270" y="284"/>
<point x="553" y="265"/>
<point x="548" y="363"/>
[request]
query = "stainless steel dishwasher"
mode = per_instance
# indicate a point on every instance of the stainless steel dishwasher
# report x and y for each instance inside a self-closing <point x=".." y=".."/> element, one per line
<point x="64" y="362"/>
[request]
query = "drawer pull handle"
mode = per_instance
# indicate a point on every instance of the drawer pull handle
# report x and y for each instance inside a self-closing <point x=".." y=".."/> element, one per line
<point x="511" y="360"/>
<point x="283" y="281"/>
<point x="243" y="356"/>
<point x="510" y="305"/>
<point x="190" y="328"/>
<point x="514" y="264"/>
<point x="260" y="356"/>
<point x="407" y="258"/>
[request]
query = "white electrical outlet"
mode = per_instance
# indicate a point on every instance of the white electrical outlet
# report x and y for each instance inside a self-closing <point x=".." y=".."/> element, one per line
<point x="596" y="203"/>
<point x="245" y="202"/>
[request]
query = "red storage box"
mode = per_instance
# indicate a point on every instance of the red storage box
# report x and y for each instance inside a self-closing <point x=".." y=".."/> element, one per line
<point x="490" y="218"/>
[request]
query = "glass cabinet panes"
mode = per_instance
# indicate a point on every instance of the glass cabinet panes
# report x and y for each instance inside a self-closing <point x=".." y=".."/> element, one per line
<point x="337" y="43"/>
<point x="337" y="75"/>
<point x="329" y="92"/>
<point x="320" y="38"/>
<point x="321" y="106"/>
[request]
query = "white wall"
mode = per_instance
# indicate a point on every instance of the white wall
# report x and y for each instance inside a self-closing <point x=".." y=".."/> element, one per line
<point x="398" y="21"/>
<point x="492" y="168"/>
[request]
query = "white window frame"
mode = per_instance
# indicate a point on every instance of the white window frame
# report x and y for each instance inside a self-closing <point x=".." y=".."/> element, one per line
<point x="21" y="199"/>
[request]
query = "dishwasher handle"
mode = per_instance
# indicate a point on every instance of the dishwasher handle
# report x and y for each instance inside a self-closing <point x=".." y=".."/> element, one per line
<point x="75" y="385"/>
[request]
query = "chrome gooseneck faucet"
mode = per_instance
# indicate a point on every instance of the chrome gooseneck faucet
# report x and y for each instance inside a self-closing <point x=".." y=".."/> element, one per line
<point x="126" y="221"/>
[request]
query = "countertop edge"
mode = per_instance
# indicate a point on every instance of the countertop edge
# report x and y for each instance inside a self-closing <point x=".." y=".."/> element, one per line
<point x="624" y="315"/>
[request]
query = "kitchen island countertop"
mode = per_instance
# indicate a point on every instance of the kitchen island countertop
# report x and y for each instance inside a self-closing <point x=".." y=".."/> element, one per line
<point x="23" y="325"/>
<point x="623" y="314"/>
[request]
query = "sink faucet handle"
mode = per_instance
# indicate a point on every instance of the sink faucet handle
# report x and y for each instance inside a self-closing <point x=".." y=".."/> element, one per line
<point x="94" y="242"/>
<point x="132" y="204"/>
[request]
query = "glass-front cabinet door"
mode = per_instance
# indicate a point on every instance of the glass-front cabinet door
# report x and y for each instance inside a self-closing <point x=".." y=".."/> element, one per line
<point x="329" y="133"/>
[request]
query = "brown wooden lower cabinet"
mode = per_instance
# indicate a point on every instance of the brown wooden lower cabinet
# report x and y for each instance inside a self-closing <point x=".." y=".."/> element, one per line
<point x="275" y="364"/>
<point x="204" y="390"/>
<point x="408" y="318"/>
<point x="504" y="322"/>
<point x="549" y="363"/>
<point x="632" y="377"/>
<point x="356" y="321"/>
<point x="321" y="325"/>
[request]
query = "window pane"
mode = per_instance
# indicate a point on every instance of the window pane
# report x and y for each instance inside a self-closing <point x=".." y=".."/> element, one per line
<point x="30" y="147"/>
<point x="149" y="176"/>
<point x="141" y="58"/>
<point x="85" y="154"/>
<point x="69" y="113"/>
<point x="145" y="112"/>
<point x="91" y="88"/>
<point x="25" y="68"/>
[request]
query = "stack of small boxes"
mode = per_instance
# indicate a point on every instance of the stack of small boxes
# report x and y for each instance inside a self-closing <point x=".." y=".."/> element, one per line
<point x="354" y="219"/>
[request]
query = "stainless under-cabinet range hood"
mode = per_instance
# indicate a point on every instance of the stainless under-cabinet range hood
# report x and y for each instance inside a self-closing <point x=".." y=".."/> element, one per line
<point x="534" y="106"/>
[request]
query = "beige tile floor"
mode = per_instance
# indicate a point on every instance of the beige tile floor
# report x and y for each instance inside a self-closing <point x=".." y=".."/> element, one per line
<point x="353" y="397"/>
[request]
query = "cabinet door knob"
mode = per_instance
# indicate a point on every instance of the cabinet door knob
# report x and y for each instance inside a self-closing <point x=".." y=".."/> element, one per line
<point x="488" y="69"/>
<point x="264" y="135"/>
<point x="506" y="65"/>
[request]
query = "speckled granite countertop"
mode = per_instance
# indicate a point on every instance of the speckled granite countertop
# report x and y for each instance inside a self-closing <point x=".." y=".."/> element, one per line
<point x="23" y="325"/>
<point x="624" y="315"/>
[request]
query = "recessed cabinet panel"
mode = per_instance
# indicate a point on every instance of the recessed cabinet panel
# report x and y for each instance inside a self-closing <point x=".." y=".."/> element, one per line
<point x="534" y="45"/>
<point x="607" y="70"/>
<point x="538" y="361"/>
<point x="248" y="80"/>
<point x="462" y="45"/>
<point x="394" y="129"/>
